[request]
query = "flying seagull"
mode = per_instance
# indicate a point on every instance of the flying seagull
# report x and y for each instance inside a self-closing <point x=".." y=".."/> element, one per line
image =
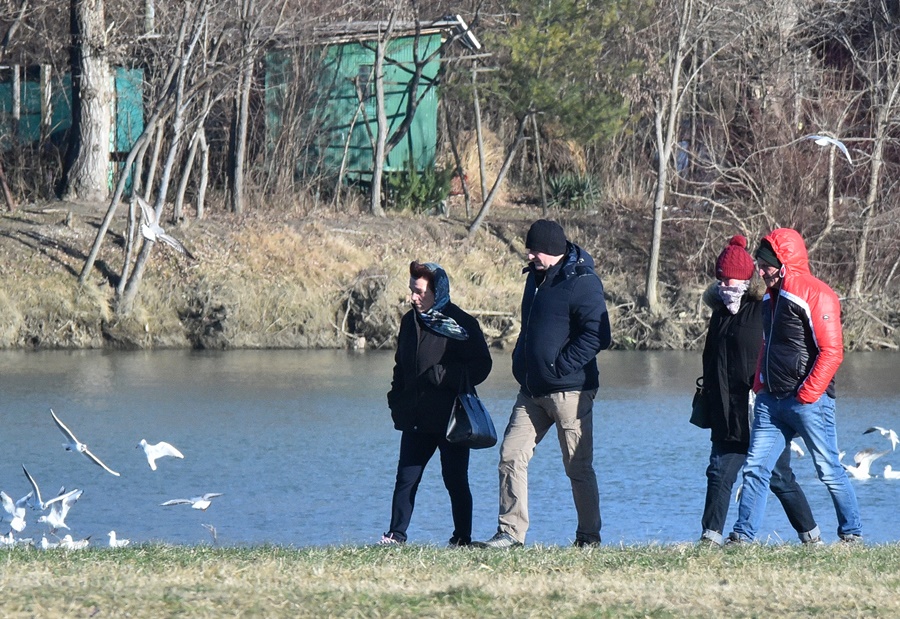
<point x="115" y="542"/>
<point x="74" y="444"/>
<point x="863" y="460"/>
<point x="152" y="231"/>
<point x="886" y="432"/>
<point x="39" y="502"/>
<point x="824" y="140"/>
<point x="16" y="510"/>
<point x="795" y="447"/>
<point x="160" y="450"/>
<point x="60" y="509"/>
<point x="197" y="502"/>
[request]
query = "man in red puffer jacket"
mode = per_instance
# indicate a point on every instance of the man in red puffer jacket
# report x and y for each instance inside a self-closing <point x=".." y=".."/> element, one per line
<point x="802" y="350"/>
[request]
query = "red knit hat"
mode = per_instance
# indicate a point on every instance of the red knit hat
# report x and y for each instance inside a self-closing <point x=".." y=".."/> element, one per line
<point x="734" y="262"/>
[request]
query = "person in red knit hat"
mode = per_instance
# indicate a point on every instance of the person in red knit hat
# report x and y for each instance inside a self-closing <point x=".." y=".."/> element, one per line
<point x="733" y="341"/>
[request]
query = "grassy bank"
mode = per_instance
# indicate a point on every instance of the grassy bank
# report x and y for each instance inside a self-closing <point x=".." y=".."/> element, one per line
<point x="425" y="581"/>
<point x="301" y="278"/>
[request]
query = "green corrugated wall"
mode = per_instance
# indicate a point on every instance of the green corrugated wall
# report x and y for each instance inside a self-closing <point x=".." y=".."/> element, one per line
<point x="339" y="108"/>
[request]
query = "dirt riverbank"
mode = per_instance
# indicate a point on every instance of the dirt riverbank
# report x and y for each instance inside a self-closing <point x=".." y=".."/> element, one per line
<point x="322" y="279"/>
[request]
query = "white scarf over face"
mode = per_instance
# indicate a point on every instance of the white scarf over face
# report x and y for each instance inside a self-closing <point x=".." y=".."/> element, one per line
<point x="732" y="295"/>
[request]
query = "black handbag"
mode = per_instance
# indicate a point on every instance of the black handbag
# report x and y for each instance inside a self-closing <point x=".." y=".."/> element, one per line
<point x="470" y="422"/>
<point x="700" y="416"/>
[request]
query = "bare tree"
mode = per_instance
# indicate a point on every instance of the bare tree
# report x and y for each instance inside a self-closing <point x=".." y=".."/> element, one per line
<point x="87" y="177"/>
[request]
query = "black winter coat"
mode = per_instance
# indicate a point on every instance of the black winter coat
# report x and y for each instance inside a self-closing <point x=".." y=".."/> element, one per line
<point x="429" y="370"/>
<point x="564" y="325"/>
<point x="733" y="342"/>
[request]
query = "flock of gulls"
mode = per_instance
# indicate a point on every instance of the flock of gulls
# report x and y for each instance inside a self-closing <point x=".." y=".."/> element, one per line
<point x="862" y="461"/>
<point x="54" y="511"/>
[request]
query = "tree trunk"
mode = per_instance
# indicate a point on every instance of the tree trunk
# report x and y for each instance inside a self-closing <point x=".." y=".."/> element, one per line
<point x="380" y="121"/>
<point x="520" y="136"/>
<point x="479" y="135"/>
<point x="242" y="110"/>
<point x="87" y="177"/>
<point x="540" y="165"/>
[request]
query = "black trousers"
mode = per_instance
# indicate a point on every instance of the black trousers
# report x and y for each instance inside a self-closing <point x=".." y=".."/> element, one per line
<point x="416" y="450"/>
<point x="725" y="462"/>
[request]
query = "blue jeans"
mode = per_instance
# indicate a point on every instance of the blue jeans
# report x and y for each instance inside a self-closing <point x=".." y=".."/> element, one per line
<point x="726" y="459"/>
<point x="776" y="421"/>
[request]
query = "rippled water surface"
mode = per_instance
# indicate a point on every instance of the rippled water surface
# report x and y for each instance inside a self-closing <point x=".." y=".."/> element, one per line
<point x="301" y="446"/>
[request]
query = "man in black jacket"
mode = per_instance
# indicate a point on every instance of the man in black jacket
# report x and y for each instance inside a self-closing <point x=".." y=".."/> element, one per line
<point x="564" y="325"/>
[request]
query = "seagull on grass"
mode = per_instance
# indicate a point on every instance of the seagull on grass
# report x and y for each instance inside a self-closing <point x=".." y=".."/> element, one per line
<point x="159" y="450"/>
<point x="16" y="510"/>
<point x="67" y="543"/>
<point x="73" y="444"/>
<point x="152" y="231"/>
<point x="60" y="509"/>
<point x="863" y="460"/>
<point x="115" y="542"/>
<point x="886" y="432"/>
<point x="824" y="140"/>
<point x="197" y="502"/>
<point x="47" y="544"/>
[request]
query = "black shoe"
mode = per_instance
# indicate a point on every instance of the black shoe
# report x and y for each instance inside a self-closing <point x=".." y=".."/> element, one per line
<point x="852" y="539"/>
<point x="459" y="542"/>
<point x="500" y="540"/>
<point x="735" y="540"/>
<point x="583" y="543"/>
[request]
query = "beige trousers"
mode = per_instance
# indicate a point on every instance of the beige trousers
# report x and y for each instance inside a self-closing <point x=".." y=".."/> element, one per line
<point x="532" y="417"/>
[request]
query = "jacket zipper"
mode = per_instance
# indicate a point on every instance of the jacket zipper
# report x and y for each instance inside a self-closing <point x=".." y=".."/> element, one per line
<point x="769" y="335"/>
<point x="530" y="311"/>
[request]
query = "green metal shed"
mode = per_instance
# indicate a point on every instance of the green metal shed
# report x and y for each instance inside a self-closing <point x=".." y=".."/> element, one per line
<point x="345" y="114"/>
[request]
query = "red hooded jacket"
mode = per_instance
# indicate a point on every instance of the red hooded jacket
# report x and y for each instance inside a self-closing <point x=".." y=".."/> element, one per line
<point x="803" y="343"/>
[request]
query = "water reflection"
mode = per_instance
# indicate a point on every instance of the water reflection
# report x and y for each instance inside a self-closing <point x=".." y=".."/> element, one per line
<point x="301" y="445"/>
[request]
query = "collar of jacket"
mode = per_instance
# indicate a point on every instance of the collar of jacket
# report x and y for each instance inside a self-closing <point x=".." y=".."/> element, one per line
<point x="566" y="265"/>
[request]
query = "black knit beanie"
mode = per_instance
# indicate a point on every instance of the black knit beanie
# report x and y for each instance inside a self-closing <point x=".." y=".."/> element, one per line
<point x="767" y="254"/>
<point x="546" y="237"/>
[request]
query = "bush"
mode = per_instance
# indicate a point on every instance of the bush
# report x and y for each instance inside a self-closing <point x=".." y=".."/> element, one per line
<point x="573" y="191"/>
<point x="420" y="192"/>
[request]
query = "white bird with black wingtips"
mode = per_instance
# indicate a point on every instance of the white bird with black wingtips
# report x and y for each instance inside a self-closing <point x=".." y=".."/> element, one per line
<point x="197" y="502"/>
<point x="60" y="509"/>
<point x="152" y="231"/>
<point x="73" y="444"/>
<point x="886" y="432"/>
<point x="115" y="542"/>
<point x="67" y="543"/>
<point x="863" y="460"/>
<point x="157" y="451"/>
<point x="824" y="140"/>
<point x="16" y="510"/>
<point x="38" y="500"/>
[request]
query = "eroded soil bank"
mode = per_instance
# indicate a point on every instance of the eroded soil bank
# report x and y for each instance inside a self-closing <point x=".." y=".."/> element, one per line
<point x="322" y="280"/>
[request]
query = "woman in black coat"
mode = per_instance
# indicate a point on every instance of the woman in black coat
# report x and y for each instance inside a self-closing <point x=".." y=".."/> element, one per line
<point x="730" y="355"/>
<point x="437" y="347"/>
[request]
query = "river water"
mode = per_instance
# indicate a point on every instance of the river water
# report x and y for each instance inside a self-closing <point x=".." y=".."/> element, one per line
<point x="301" y="445"/>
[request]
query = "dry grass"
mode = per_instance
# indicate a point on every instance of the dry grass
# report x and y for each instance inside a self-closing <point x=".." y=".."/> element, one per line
<point x="417" y="581"/>
<point x="288" y="281"/>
